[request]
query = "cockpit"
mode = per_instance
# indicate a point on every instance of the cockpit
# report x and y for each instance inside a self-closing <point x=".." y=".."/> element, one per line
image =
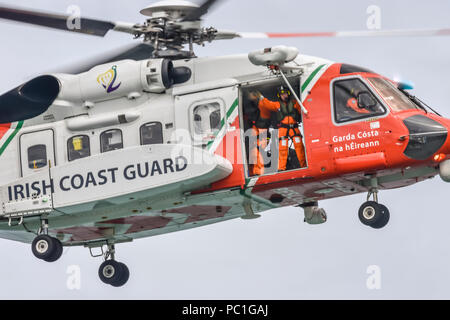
<point x="367" y="94"/>
<point x="396" y="99"/>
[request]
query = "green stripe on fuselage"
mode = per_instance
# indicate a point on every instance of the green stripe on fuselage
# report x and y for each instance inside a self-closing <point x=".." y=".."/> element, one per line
<point x="11" y="137"/>
<point x="223" y="121"/>
<point x="311" y="77"/>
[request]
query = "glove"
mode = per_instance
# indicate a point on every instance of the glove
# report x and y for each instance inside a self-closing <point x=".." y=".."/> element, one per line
<point x="255" y="96"/>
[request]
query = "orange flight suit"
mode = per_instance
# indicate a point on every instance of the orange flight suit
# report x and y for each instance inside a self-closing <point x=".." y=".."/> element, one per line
<point x="259" y="133"/>
<point x="352" y="103"/>
<point x="288" y="129"/>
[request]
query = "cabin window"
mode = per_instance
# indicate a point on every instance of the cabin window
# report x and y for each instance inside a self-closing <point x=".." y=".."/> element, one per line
<point x="78" y="147"/>
<point x="207" y="118"/>
<point x="353" y="101"/>
<point x="37" y="156"/>
<point x="111" y="140"/>
<point x="151" y="133"/>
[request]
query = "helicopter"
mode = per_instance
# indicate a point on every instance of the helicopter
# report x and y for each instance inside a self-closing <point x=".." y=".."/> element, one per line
<point x="155" y="140"/>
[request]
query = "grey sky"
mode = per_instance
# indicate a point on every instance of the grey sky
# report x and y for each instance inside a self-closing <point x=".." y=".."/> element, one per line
<point x="276" y="256"/>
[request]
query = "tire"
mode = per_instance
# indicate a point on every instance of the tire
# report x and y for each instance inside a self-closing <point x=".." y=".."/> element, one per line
<point x="43" y="247"/>
<point x="385" y="216"/>
<point x="110" y="271"/>
<point x="124" y="276"/>
<point x="58" y="251"/>
<point x="370" y="213"/>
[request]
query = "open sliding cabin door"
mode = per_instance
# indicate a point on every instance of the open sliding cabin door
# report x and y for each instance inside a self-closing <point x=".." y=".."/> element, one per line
<point x="262" y="145"/>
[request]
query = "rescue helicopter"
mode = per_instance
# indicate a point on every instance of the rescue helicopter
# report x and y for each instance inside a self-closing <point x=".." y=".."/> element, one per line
<point x="154" y="139"/>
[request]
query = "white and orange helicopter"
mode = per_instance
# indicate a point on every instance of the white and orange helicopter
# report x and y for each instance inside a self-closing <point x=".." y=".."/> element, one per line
<point x="156" y="140"/>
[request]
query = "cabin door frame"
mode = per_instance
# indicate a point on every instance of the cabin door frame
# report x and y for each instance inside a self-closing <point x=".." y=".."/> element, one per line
<point x="37" y="151"/>
<point x="272" y="84"/>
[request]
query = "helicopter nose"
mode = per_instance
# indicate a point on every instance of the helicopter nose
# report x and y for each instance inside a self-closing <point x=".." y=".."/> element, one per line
<point x="426" y="137"/>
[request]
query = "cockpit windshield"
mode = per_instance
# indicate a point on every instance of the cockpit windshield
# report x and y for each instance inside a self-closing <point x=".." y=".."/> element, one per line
<point x="394" y="97"/>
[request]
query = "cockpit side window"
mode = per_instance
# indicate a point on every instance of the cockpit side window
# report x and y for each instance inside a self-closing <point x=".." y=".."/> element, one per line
<point x="353" y="101"/>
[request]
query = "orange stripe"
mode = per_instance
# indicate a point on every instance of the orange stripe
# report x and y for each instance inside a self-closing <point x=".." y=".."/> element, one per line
<point x="4" y="127"/>
<point x="295" y="35"/>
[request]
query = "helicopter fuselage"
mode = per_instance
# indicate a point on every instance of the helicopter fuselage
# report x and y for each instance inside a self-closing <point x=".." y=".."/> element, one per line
<point x="119" y="154"/>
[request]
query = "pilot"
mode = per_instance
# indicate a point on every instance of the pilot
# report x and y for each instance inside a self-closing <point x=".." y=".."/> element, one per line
<point x="260" y="121"/>
<point x="288" y="114"/>
<point x="352" y="102"/>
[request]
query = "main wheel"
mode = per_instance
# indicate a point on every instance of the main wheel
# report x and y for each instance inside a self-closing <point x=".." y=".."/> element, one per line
<point x="110" y="271"/>
<point x="385" y="216"/>
<point x="370" y="213"/>
<point x="124" y="276"/>
<point x="57" y="253"/>
<point x="43" y="247"/>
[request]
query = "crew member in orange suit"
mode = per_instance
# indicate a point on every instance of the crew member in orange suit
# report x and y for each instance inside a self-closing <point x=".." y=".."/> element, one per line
<point x="288" y="115"/>
<point x="260" y="121"/>
<point x="352" y="103"/>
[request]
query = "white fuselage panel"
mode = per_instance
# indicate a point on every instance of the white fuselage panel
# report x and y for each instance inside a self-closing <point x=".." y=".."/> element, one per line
<point x="119" y="176"/>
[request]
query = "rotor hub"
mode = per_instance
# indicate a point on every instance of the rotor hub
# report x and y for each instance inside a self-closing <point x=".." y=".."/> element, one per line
<point x="169" y="27"/>
<point x="174" y="9"/>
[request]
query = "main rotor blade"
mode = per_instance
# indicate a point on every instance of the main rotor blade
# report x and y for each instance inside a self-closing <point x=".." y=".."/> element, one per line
<point x="61" y="22"/>
<point x="376" y="33"/>
<point x="201" y="11"/>
<point x="135" y="52"/>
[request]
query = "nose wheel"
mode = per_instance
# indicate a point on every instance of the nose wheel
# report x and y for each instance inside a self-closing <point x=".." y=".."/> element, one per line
<point x="372" y="213"/>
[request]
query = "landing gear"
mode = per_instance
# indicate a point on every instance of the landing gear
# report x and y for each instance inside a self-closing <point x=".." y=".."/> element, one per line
<point x="111" y="271"/>
<point x="45" y="247"/>
<point x="372" y="213"/>
<point x="114" y="273"/>
<point x="385" y="218"/>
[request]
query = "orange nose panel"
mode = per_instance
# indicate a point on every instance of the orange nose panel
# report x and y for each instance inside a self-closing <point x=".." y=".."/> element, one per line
<point x="361" y="163"/>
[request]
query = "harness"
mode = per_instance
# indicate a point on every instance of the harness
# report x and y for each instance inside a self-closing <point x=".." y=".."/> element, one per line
<point x="288" y="110"/>
<point x="258" y="138"/>
<point x="290" y="138"/>
<point x="290" y="127"/>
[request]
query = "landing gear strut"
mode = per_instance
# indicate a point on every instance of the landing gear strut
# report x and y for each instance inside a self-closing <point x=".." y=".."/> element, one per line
<point x="372" y="213"/>
<point x="113" y="272"/>
<point x="45" y="247"/>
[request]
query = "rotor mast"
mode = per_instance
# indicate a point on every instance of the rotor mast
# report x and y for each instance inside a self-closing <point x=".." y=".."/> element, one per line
<point x="172" y="25"/>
